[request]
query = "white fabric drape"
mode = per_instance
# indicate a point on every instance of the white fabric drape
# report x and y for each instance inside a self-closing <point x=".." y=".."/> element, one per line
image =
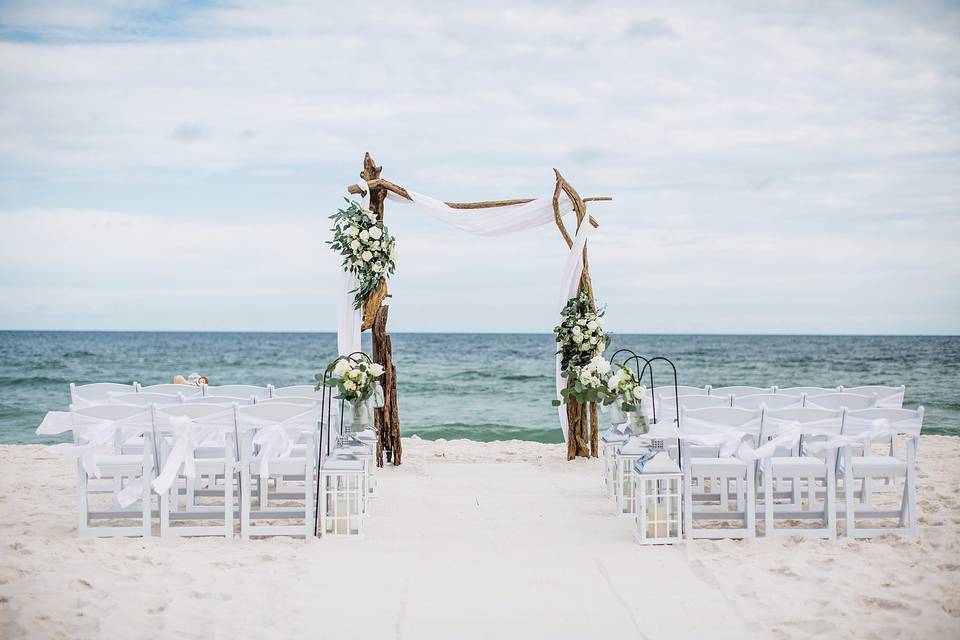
<point x="492" y="221"/>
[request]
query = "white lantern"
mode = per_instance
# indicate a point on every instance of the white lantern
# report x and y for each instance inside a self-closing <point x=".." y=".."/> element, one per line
<point x="609" y="441"/>
<point x="658" y="489"/>
<point x="627" y="455"/>
<point x="343" y="485"/>
<point x="365" y="453"/>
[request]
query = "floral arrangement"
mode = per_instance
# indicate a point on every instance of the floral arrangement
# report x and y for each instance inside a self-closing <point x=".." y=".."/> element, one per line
<point x="580" y="333"/>
<point x="582" y="342"/>
<point x="355" y="380"/>
<point x="623" y="386"/>
<point x="590" y="383"/>
<point x="367" y="248"/>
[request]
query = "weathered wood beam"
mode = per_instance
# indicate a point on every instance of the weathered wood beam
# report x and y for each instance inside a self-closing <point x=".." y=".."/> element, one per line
<point x="380" y="183"/>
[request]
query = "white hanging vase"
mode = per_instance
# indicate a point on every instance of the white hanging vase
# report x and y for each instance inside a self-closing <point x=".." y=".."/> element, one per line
<point x="377" y="398"/>
<point x="638" y="421"/>
<point x="361" y="415"/>
<point x="617" y="415"/>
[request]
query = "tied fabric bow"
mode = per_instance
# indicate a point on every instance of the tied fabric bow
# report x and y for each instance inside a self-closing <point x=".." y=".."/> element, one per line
<point x="275" y="441"/>
<point x="88" y="438"/>
<point x="94" y="435"/>
<point x="188" y="434"/>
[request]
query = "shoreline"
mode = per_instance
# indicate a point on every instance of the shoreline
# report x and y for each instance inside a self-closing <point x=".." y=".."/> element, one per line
<point x="474" y="539"/>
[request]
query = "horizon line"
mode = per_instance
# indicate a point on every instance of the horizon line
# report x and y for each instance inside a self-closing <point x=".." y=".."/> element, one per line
<point x="532" y="333"/>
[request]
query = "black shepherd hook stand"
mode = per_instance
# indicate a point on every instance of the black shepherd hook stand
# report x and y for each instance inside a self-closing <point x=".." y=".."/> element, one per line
<point x="327" y="409"/>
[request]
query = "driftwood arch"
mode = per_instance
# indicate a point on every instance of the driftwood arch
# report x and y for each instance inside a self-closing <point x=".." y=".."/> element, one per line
<point x="583" y="421"/>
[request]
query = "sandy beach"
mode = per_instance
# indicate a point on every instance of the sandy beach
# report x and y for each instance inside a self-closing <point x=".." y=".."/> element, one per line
<point x="473" y="540"/>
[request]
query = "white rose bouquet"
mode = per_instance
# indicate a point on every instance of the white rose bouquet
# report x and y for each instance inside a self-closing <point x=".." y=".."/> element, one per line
<point x="582" y="342"/>
<point x="367" y="248"/>
<point x="580" y="333"/>
<point x="590" y="383"/>
<point x="355" y="380"/>
<point x="625" y="389"/>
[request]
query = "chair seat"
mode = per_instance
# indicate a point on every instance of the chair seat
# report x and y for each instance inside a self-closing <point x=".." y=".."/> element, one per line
<point x="799" y="465"/>
<point x="119" y="463"/>
<point x="877" y="466"/>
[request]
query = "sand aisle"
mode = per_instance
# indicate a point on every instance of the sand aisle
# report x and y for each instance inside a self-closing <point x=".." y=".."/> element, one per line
<point x="472" y="540"/>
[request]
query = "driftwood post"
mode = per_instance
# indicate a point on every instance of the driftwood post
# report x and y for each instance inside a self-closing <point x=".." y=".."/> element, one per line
<point x="385" y="420"/>
<point x="583" y="421"/>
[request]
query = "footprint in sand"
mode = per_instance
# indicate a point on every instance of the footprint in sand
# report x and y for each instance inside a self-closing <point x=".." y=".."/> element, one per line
<point x="890" y="605"/>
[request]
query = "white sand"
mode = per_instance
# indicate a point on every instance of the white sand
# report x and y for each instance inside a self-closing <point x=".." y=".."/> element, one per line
<point x="472" y="540"/>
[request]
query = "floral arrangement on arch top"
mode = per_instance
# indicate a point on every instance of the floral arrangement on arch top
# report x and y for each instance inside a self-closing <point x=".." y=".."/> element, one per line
<point x="367" y="248"/>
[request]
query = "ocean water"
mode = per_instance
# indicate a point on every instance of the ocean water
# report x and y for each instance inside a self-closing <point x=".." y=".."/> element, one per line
<point x="477" y="386"/>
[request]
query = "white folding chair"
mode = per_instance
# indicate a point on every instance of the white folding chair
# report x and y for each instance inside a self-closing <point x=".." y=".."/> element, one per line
<point x="768" y="400"/>
<point x="185" y="390"/>
<point x="784" y="459"/>
<point x="848" y="401"/>
<point x="810" y="392"/>
<point x="86" y="395"/>
<point x="237" y="391"/>
<point x="145" y="399"/>
<point x="297" y="391"/>
<point x="197" y="442"/>
<point x="226" y="401"/>
<point x="723" y="428"/>
<point x="268" y="434"/>
<point x="739" y="391"/>
<point x="887" y="397"/>
<point x="861" y="429"/>
<point x="667" y="407"/>
<point x="95" y="432"/>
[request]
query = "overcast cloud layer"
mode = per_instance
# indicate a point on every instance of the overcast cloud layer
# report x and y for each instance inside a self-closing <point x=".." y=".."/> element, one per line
<point x="774" y="168"/>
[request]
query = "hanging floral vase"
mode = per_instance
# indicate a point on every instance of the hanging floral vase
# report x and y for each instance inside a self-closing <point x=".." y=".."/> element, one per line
<point x="377" y="398"/>
<point x="361" y="416"/>
<point x="617" y="414"/>
<point x="638" y="421"/>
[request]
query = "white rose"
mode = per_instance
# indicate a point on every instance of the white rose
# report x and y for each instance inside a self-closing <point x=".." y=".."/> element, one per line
<point x="593" y="340"/>
<point x="614" y="380"/>
<point x="592" y="325"/>
<point x="600" y="364"/>
<point x="577" y="338"/>
<point x="341" y="367"/>
<point x="351" y="231"/>
<point x="375" y="233"/>
<point x="349" y="386"/>
<point x="639" y="392"/>
<point x="377" y="267"/>
<point x="366" y="256"/>
<point x="376" y="370"/>
<point x="364" y="235"/>
<point x="585" y="346"/>
<point x="585" y="376"/>
<point x="355" y="245"/>
<point x="576" y="331"/>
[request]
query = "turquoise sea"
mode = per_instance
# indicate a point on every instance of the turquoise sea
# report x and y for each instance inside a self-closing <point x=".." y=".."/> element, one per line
<point x="455" y="385"/>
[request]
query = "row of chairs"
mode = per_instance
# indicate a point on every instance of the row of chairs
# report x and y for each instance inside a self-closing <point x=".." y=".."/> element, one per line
<point x="726" y="452"/>
<point x="106" y="392"/>
<point x="198" y="461"/>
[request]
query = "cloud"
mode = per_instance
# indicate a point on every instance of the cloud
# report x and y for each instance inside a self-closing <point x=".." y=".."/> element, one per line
<point x="650" y="29"/>
<point x="802" y="143"/>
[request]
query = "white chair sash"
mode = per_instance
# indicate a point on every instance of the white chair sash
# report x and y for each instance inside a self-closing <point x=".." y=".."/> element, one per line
<point x="276" y="439"/>
<point x="91" y="434"/>
<point x="188" y="434"/>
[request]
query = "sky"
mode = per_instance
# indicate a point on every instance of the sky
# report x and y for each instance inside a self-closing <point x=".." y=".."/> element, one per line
<point x="776" y="167"/>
